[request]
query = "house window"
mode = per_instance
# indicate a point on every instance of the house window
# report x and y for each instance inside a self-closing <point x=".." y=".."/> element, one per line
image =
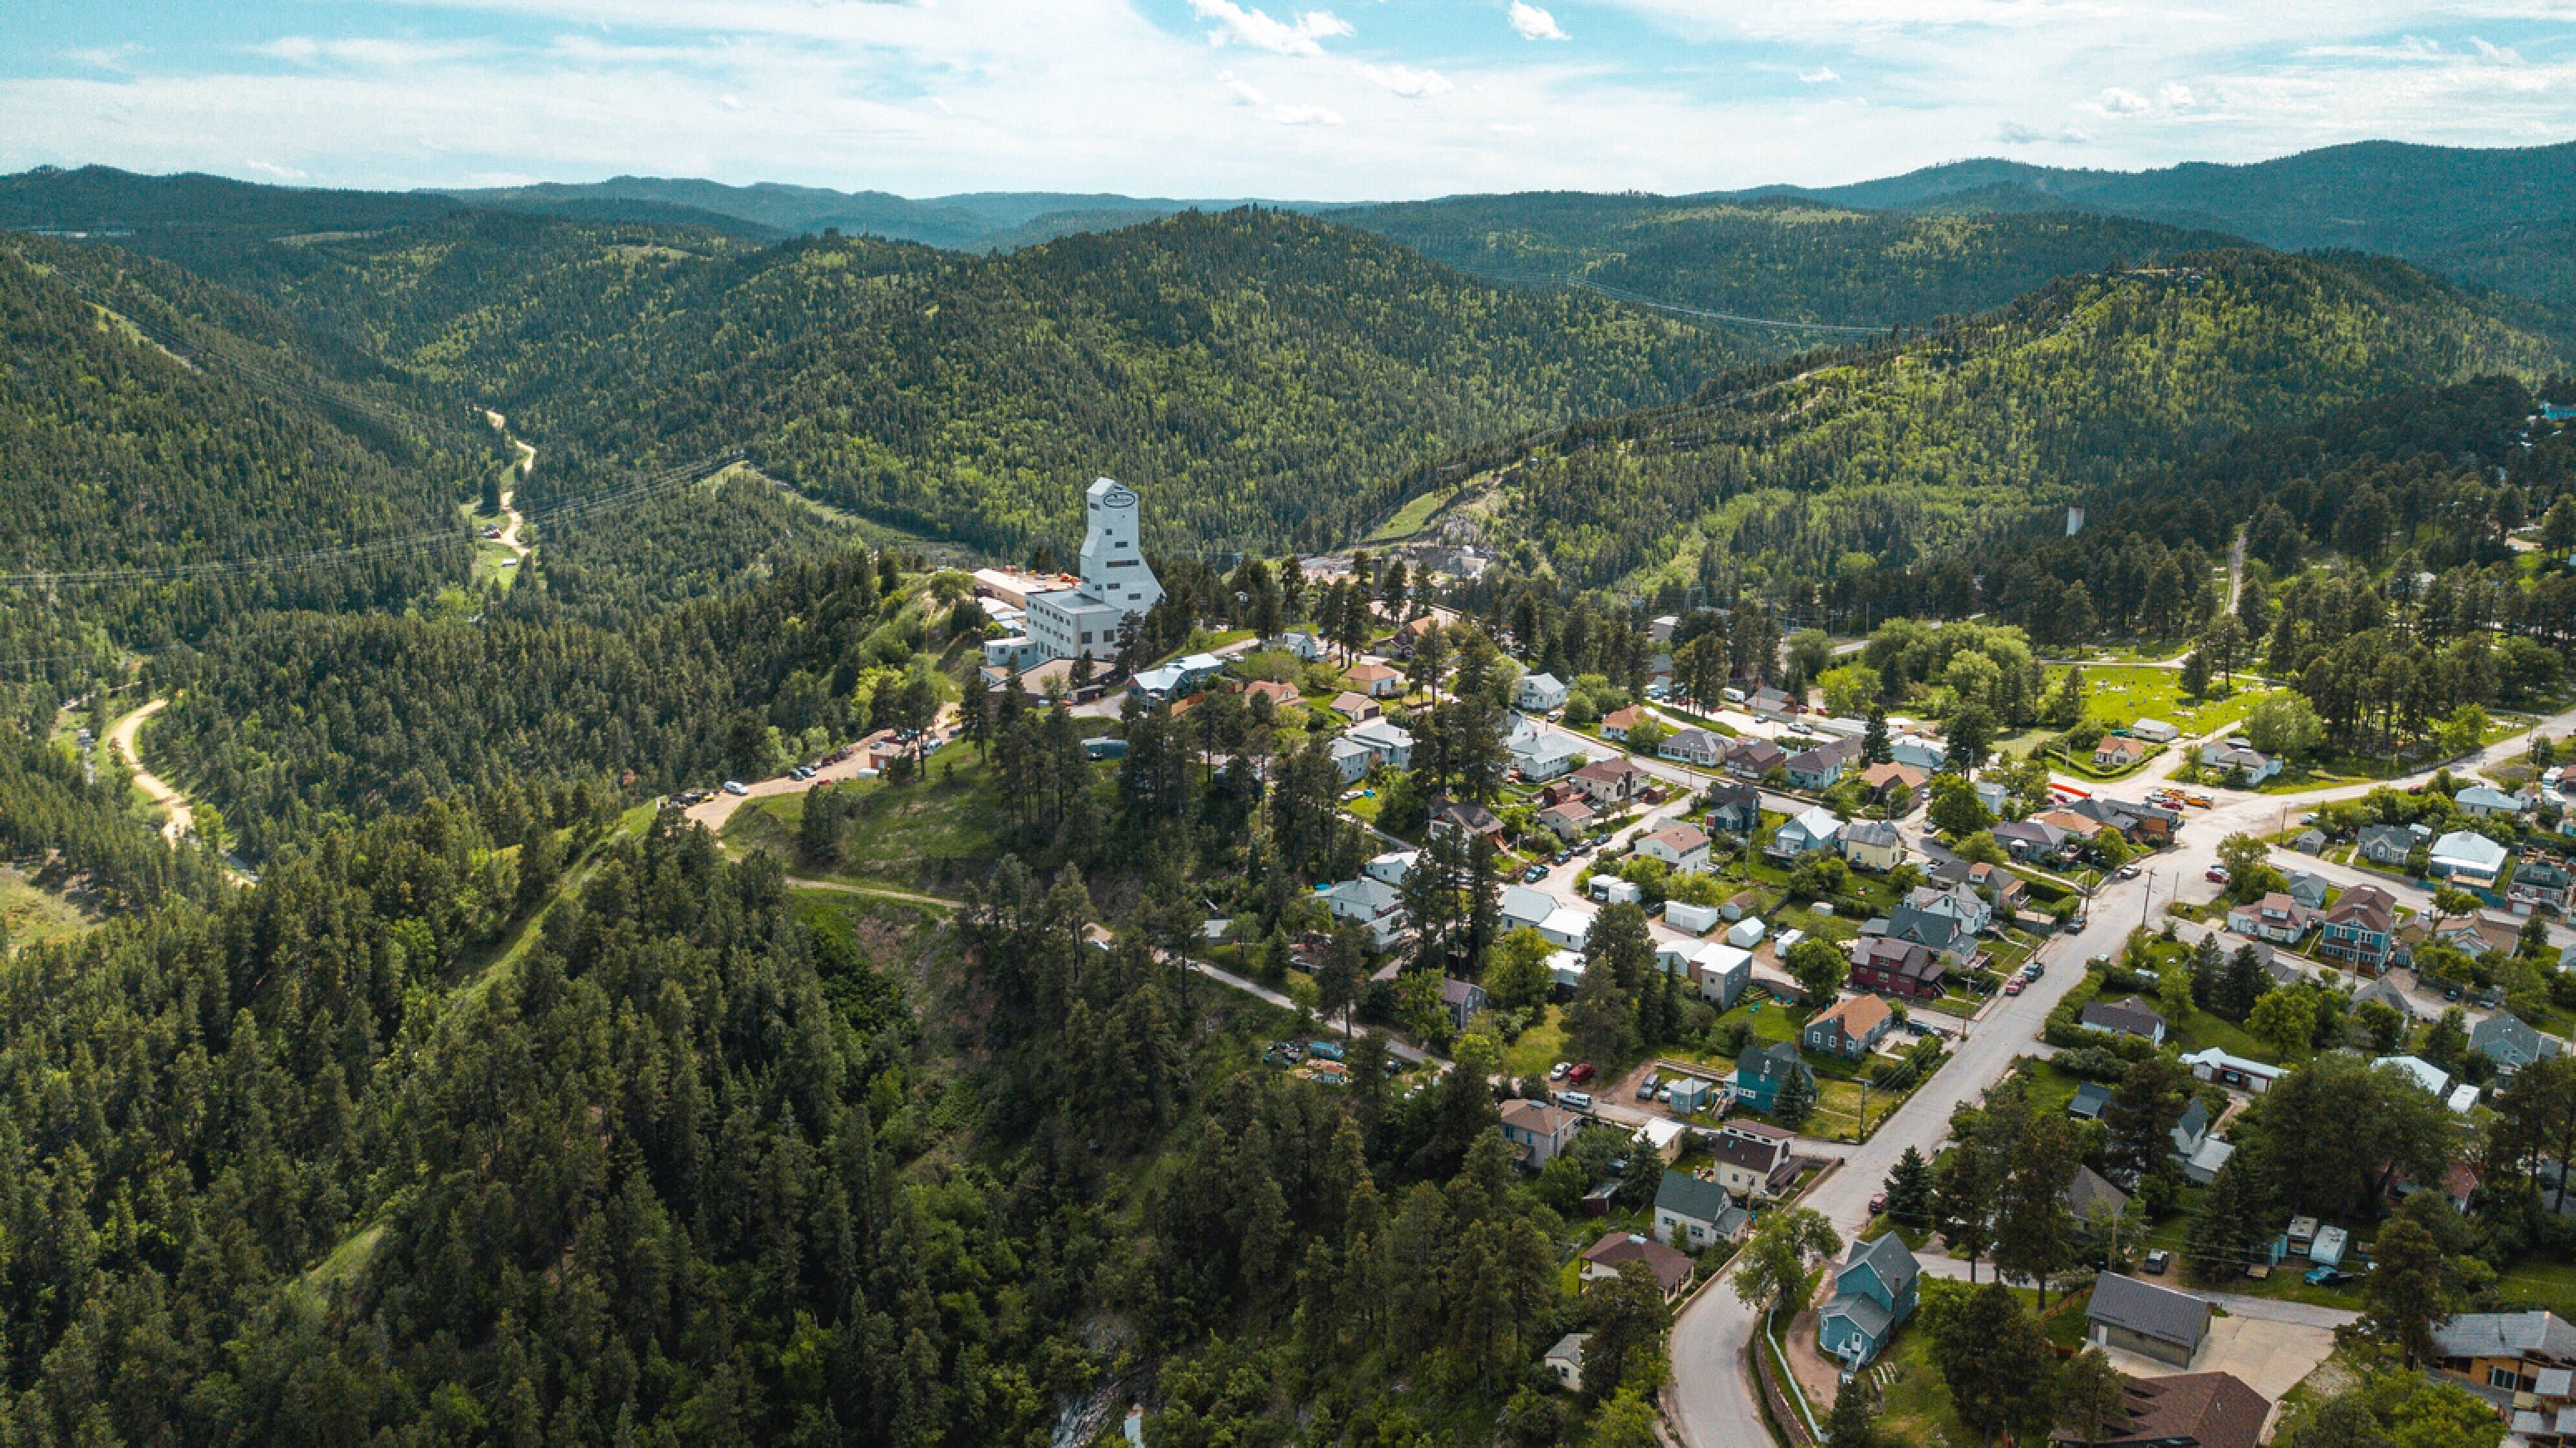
<point x="2505" y="1378"/>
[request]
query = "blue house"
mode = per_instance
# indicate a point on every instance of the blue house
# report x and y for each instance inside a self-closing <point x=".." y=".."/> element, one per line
<point x="1760" y="1073"/>
<point x="1874" y="1292"/>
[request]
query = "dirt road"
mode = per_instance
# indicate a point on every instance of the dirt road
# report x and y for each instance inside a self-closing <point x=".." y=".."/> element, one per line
<point x="121" y="737"/>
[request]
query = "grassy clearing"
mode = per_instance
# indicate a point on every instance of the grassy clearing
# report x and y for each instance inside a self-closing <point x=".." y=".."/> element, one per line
<point x="37" y="916"/>
<point x="1414" y="516"/>
<point x="2122" y="694"/>
<point x="914" y="834"/>
<point x="1541" y="1046"/>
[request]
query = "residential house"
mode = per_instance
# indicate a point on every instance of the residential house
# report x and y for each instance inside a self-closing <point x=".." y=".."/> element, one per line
<point x="1748" y="758"/>
<point x="2091" y="1098"/>
<point x="1351" y="760"/>
<point x="1694" y="746"/>
<point x="2079" y="826"/>
<point x="2031" y="839"/>
<point x="1464" y="817"/>
<point x="2510" y="1042"/>
<point x="2008" y="891"/>
<point x="1760" y="1072"/>
<point x="2386" y="992"/>
<point x="1873" y="845"/>
<point x="2183" y="1410"/>
<point x="2386" y="844"/>
<point x="2488" y="803"/>
<point x="1608" y="782"/>
<point x="1375" y="904"/>
<point x="1358" y="708"/>
<point x="1942" y="934"/>
<point x="2125" y="1018"/>
<point x="1734" y="809"/>
<point x="1682" y="847"/>
<point x="2091" y="1193"/>
<point x="1818" y="769"/>
<point x="1305" y="646"/>
<point x="1875" y="1291"/>
<point x="2310" y="842"/>
<point x="2540" y="882"/>
<point x="2152" y="1321"/>
<point x="1387" y="743"/>
<point x="1918" y="751"/>
<point x="1692" y="1214"/>
<point x="1538" y="693"/>
<point x="1614" y="725"/>
<point x="2235" y="755"/>
<point x="1897" y="968"/>
<point x="2115" y="752"/>
<point x="1992" y="795"/>
<point x="2469" y="860"/>
<point x="1547" y="756"/>
<point x="2361" y="929"/>
<point x="1568" y="926"/>
<point x="2503" y="1352"/>
<point x="1378" y="681"/>
<point x="2155" y="731"/>
<point x="1960" y="902"/>
<point x="1722" y="972"/>
<point x="1463" y="999"/>
<point x="1773" y="705"/>
<point x="2307" y="887"/>
<point x="1524" y="908"/>
<point x="1279" y="695"/>
<point x="1753" y="1159"/>
<point x="2145" y="824"/>
<point x="2276" y="918"/>
<point x="1392" y="867"/>
<point x="1538" y="1130"/>
<point x="1567" y="819"/>
<point x="2191" y="1130"/>
<point x="2241" y="1073"/>
<point x="1814" y="830"/>
<point x="1603" y="1259"/>
<point x="1565" y="1361"/>
<point x="1849" y="1028"/>
<point x="1883" y="780"/>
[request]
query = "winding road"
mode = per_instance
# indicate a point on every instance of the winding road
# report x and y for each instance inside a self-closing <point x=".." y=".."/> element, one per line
<point x="122" y="738"/>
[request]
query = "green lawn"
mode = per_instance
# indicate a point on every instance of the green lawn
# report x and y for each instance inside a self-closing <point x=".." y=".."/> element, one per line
<point x="2122" y="694"/>
<point x="1540" y="1046"/>
<point x="2539" y="1282"/>
<point x="900" y="833"/>
<point x="1411" y="518"/>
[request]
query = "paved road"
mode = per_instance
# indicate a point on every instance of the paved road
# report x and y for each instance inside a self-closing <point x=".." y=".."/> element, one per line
<point x="1711" y="1401"/>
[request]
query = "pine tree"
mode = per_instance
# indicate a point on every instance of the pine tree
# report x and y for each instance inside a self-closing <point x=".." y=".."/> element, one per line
<point x="2233" y="1222"/>
<point x="1909" y="1189"/>
<point x="1873" y="740"/>
<point x="1797" y="1099"/>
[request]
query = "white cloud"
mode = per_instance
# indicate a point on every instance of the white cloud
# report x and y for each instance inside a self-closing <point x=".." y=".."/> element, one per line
<point x="2014" y="133"/>
<point x="1305" y="116"/>
<point x="1405" y="81"/>
<point x="1244" y="91"/>
<point x="1821" y="75"/>
<point x="1532" y="23"/>
<point x="1303" y="36"/>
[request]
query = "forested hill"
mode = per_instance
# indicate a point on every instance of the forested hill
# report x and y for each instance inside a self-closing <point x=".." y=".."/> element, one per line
<point x="155" y="429"/>
<point x="1915" y="451"/>
<point x="1778" y="257"/>
<point x="1250" y="372"/>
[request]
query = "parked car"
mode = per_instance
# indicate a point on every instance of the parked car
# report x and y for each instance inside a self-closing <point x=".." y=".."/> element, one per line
<point x="1581" y="1073"/>
<point x="736" y="786"/>
<point x="1646" y="1089"/>
<point x="1878" y="1204"/>
<point x="2035" y="969"/>
<point x="2128" y="872"/>
<point x="1557" y="1071"/>
<point x="2326" y="1277"/>
<point x="2157" y="1261"/>
<point x="2016" y="986"/>
<point x="1533" y="874"/>
<point x="2215" y="874"/>
<point x="1324" y="1050"/>
<point x="1574" y="1100"/>
<point x="1664" y="1092"/>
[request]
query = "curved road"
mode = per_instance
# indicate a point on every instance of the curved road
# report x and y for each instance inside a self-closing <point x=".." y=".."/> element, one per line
<point x="121" y="738"/>
<point x="1711" y="1400"/>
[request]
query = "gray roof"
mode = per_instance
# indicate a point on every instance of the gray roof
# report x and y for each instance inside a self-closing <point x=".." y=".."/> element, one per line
<point x="1895" y="1266"/>
<point x="2089" y="1100"/>
<point x="2510" y="1039"/>
<point x="1873" y="832"/>
<point x="2195" y="1118"/>
<point x="2505" y="1334"/>
<point x="1864" y="1312"/>
<point x="2091" y="1189"/>
<point x="1773" y="1061"/>
<point x="1685" y="1195"/>
<point x="1569" y="1347"/>
<point x="2128" y="1015"/>
<point x="2152" y="1311"/>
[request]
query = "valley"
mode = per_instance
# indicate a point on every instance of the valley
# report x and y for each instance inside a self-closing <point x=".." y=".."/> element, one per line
<point x="777" y="815"/>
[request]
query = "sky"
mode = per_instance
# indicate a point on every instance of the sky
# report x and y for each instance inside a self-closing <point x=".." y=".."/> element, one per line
<point x="1337" y="100"/>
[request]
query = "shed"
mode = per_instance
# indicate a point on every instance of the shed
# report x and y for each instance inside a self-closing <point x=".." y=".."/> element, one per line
<point x="1747" y="932"/>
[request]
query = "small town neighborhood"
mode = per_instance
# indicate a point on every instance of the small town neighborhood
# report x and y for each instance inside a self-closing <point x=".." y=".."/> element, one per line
<point x="1849" y="934"/>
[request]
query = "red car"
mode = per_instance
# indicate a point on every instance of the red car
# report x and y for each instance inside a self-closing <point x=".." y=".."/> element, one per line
<point x="1878" y="1204"/>
<point x="2015" y="986"/>
<point x="1581" y="1073"/>
<point x="2215" y="874"/>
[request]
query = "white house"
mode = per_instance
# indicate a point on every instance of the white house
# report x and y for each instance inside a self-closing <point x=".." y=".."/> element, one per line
<point x="2487" y="803"/>
<point x="2237" y="754"/>
<point x="1691" y="919"/>
<point x="2467" y="856"/>
<point x="1525" y="908"/>
<point x="1922" y="751"/>
<point x="2427" y="1075"/>
<point x="1304" y="645"/>
<point x="1392" y="866"/>
<point x="1538" y="693"/>
<point x="1567" y="925"/>
<point x="1373" y="903"/>
<point x="2250" y="1076"/>
<point x="1352" y="759"/>
<point x="1547" y="756"/>
<point x="1387" y="744"/>
<point x="1683" y="847"/>
<point x="1814" y="830"/>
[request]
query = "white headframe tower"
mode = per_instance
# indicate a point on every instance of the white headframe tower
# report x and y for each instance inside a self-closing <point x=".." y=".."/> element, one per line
<point x="1113" y="560"/>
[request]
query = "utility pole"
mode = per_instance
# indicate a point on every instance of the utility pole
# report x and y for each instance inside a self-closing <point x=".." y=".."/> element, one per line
<point x="2146" y="903"/>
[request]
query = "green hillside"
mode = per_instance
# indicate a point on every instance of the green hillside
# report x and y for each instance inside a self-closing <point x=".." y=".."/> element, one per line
<point x="1250" y="371"/>
<point x="1914" y="451"/>
<point x="1780" y="258"/>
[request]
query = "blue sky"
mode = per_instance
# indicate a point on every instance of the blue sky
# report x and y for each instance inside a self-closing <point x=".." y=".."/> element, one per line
<point x="1345" y="99"/>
